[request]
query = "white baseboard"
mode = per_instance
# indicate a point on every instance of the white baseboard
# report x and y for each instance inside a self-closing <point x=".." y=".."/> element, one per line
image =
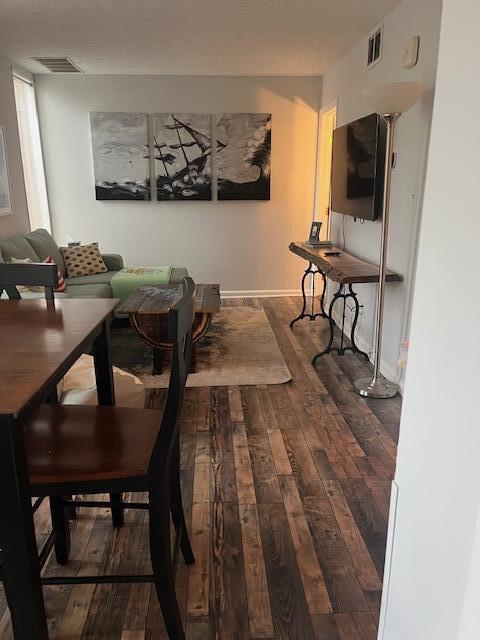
<point x="261" y="293"/>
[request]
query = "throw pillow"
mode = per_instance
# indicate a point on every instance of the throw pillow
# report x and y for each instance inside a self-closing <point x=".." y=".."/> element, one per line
<point x="85" y="260"/>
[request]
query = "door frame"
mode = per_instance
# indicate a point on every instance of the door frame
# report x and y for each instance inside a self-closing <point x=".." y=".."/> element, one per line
<point x="323" y="161"/>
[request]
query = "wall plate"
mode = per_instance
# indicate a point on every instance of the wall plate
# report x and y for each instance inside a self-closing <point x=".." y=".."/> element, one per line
<point x="410" y="53"/>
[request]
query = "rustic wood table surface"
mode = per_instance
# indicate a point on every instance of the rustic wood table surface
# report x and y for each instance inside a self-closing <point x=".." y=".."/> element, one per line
<point x="39" y="343"/>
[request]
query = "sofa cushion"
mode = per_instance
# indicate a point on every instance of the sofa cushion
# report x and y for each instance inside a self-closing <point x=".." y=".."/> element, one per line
<point x="96" y="278"/>
<point x="19" y="248"/>
<point x="44" y="245"/>
<point x="113" y="261"/>
<point x="89" y="291"/>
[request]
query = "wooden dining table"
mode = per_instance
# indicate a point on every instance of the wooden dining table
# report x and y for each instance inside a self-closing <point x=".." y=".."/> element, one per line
<point x="39" y="342"/>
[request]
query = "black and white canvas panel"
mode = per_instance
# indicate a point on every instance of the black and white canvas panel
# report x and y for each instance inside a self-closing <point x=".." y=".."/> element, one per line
<point x="120" y="155"/>
<point x="183" y="155"/>
<point x="243" y="156"/>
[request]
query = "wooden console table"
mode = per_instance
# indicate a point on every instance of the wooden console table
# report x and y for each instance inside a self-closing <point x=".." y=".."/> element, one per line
<point x="346" y="270"/>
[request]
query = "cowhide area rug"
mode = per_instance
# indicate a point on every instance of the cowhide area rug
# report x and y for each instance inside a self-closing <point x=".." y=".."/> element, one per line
<point x="239" y="348"/>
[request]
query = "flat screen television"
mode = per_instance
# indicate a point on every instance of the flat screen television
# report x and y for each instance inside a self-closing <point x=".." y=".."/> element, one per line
<point x="358" y="168"/>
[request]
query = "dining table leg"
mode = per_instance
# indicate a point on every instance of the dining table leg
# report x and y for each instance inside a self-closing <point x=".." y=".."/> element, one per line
<point x="103" y="366"/>
<point x="19" y="554"/>
<point x="106" y="395"/>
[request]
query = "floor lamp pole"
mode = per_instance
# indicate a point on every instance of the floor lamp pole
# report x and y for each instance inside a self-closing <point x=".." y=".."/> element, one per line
<point x="377" y="386"/>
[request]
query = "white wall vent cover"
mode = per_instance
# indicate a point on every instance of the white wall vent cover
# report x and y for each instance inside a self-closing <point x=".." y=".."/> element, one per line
<point x="375" y="45"/>
<point x="59" y="65"/>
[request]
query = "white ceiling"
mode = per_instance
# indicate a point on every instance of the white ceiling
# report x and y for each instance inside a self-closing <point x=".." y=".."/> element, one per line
<point x="188" y="37"/>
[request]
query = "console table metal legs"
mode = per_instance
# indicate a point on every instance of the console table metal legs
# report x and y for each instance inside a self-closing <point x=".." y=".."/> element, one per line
<point x="312" y="315"/>
<point x="342" y="294"/>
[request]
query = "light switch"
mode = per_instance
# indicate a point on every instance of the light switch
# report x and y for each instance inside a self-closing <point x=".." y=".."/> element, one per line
<point x="410" y="52"/>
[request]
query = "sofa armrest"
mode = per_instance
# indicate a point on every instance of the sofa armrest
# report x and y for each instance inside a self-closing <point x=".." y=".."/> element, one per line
<point x="113" y="261"/>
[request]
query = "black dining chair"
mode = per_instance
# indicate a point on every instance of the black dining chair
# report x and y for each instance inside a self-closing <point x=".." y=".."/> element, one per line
<point x="100" y="449"/>
<point x="29" y="275"/>
<point x="12" y="276"/>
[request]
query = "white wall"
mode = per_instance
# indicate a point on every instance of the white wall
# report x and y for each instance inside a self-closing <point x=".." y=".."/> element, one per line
<point x="17" y="222"/>
<point x="435" y="570"/>
<point x="242" y="245"/>
<point x="345" y="82"/>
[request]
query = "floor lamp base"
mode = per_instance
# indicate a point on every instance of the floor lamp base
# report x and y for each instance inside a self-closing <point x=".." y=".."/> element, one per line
<point x="376" y="388"/>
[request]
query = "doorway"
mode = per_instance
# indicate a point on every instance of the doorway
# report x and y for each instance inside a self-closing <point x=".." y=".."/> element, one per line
<point x="327" y="119"/>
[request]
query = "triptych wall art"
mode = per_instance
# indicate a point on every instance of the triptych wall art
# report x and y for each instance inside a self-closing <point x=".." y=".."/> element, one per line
<point x="191" y="154"/>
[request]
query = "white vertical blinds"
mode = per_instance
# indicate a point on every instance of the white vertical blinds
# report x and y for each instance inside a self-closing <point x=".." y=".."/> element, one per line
<point x="31" y="147"/>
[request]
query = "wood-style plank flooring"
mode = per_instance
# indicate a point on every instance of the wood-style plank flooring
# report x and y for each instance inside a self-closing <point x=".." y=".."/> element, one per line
<point x="287" y="491"/>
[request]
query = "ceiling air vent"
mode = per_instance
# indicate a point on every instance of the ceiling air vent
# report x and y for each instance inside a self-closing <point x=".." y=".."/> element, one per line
<point x="375" y="44"/>
<point x="59" y="65"/>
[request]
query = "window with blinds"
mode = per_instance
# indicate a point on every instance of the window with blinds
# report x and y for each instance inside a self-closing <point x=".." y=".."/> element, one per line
<point x="31" y="148"/>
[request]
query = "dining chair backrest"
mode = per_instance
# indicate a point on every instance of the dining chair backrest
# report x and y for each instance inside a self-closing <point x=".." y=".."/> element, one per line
<point x="29" y="275"/>
<point x="179" y="331"/>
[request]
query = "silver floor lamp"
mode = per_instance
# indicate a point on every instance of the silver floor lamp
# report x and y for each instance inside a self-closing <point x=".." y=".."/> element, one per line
<point x="390" y="101"/>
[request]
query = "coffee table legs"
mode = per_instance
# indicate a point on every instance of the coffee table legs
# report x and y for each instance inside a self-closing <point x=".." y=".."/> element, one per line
<point x="157" y="361"/>
<point x="157" y="340"/>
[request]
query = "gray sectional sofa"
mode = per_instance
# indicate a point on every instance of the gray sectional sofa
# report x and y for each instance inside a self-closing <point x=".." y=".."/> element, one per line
<point x="39" y="244"/>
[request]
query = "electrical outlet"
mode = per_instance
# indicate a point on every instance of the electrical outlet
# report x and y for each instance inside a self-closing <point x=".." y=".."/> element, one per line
<point x="413" y="197"/>
<point x="403" y="355"/>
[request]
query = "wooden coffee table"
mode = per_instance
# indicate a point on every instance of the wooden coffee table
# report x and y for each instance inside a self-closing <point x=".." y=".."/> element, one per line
<point x="147" y="308"/>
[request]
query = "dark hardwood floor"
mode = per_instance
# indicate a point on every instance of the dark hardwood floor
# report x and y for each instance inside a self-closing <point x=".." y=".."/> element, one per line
<point x="287" y="492"/>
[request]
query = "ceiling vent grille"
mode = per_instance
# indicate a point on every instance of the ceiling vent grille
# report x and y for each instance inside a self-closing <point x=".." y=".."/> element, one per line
<point x="375" y="45"/>
<point x="59" y="65"/>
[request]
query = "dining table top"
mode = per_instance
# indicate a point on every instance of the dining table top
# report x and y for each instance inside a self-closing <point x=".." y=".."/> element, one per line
<point x="40" y="341"/>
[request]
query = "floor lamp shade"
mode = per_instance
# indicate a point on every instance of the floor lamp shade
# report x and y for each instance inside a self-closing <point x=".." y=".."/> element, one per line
<point x="390" y="101"/>
<point x="392" y="97"/>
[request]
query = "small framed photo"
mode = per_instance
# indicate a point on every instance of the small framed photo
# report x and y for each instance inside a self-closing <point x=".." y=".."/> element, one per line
<point x="315" y="232"/>
<point x="5" y="202"/>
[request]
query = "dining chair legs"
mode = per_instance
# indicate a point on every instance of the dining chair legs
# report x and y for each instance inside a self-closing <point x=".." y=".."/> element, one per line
<point x="176" y="508"/>
<point x="117" y="512"/>
<point x="72" y="511"/>
<point x="162" y="565"/>
<point x="61" y="527"/>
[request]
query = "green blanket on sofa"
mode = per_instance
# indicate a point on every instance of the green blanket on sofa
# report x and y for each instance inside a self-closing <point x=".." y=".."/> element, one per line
<point x="126" y="280"/>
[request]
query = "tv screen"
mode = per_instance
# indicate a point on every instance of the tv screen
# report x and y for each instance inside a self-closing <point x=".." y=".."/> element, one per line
<point x="358" y="159"/>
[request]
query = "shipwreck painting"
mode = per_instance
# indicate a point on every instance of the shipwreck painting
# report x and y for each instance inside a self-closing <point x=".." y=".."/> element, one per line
<point x="243" y="156"/>
<point x="182" y="144"/>
<point x="120" y="155"/>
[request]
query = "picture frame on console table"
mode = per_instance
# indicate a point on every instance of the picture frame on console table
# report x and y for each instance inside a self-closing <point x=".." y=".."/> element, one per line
<point x="314" y="236"/>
